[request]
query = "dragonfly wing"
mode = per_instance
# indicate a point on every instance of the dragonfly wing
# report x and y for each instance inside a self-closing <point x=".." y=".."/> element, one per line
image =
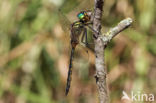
<point x="64" y="21"/>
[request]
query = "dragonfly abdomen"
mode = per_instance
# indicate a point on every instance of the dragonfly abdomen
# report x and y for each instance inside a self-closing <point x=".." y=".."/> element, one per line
<point x="69" y="78"/>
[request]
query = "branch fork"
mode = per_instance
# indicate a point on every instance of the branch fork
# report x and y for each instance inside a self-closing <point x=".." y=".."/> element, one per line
<point x="122" y="25"/>
<point x="101" y="41"/>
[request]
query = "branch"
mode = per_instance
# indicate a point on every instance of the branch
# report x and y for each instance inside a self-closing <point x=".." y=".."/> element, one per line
<point x="100" y="42"/>
<point x="108" y="36"/>
<point x="99" y="53"/>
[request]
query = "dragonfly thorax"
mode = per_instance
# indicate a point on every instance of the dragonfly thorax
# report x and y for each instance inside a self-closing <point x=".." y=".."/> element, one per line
<point x="77" y="24"/>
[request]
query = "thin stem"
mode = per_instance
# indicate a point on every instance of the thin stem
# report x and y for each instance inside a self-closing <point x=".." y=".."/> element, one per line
<point x="122" y="25"/>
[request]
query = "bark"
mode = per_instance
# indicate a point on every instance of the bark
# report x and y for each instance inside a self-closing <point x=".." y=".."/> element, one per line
<point x="99" y="53"/>
<point x="101" y="42"/>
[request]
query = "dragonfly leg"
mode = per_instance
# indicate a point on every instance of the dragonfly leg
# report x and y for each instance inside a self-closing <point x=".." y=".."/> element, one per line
<point x="91" y="28"/>
<point x="84" y="36"/>
<point x="86" y="39"/>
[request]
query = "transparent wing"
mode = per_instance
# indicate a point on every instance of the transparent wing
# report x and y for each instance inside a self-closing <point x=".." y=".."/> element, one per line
<point x="76" y="5"/>
<point x="64" y="21"/>
<point x="68" y="11"/>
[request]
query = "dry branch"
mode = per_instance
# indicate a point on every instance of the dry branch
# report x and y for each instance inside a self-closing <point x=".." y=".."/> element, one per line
<point x="99" y="53"/>
<point x="108" y="36"/>
<point x="101" y="42"/>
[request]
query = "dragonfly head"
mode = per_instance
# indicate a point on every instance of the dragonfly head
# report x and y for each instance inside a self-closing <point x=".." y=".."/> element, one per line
<point x="83" y="16"/>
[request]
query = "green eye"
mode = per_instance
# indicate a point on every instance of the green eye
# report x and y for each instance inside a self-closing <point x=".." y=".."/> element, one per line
<point x="81" y="16"/>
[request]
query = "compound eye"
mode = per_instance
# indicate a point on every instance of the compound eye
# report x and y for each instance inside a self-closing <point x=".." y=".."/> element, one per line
<point x="80" y="16"/>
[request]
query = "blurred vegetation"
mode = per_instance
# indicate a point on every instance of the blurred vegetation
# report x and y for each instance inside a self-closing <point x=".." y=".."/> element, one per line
<point x="34" y="51"/>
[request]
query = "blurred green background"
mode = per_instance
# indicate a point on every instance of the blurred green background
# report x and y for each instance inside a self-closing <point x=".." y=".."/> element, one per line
<point x="35" y="48"/>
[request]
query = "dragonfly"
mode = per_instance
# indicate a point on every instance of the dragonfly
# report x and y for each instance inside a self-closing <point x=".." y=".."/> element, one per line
<point x="78" y="28"/>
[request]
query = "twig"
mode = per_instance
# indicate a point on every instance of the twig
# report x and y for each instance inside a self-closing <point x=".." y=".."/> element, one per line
<point x="101" y="42"/>
<point x="108" y="36"/>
